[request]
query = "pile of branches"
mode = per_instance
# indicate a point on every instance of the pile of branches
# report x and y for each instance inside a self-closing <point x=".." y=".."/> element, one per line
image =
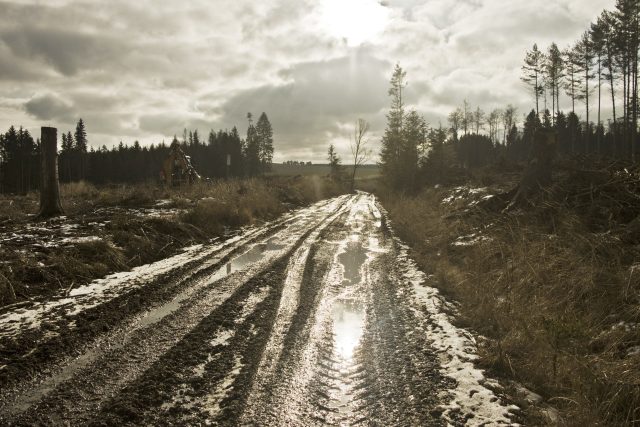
<point x="606" y="195"/>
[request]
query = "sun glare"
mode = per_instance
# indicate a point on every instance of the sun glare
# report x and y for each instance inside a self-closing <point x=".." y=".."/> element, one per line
<point x="356" y="21"/>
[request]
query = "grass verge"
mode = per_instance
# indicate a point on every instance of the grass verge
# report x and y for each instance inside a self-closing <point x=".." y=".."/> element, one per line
<point x="553" y="291"/>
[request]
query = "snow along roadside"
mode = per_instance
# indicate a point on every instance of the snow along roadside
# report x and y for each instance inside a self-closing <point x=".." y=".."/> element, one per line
<point x="470" y="399"/>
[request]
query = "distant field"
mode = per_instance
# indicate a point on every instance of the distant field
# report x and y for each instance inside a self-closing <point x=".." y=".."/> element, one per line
<point x="365" y="171"/>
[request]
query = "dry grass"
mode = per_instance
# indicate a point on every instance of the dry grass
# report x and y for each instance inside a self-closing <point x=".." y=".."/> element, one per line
<point x="557" y="298"/>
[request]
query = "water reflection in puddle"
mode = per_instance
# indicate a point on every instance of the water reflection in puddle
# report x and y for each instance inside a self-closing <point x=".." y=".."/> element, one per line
<point x="348" y="321"/>
<point x="348" y="315"/>
<point x="348" y="310"/>
<point x="243" y="261"/>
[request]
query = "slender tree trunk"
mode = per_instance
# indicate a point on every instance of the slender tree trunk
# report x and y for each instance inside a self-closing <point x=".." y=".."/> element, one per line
<point x="599" y="99"/>
<point x="613" y="101"/>
<point x="553" y="103"/>
<point x="624" y="109"/>
<point x="628" y="112"/>
<point x="634" y="123"/>
<point x="573" y="94"/>
<point x="558" y="99"/>
<point x="537" y="95"/>
<point x="586" y="99"/>
<point x="49" y="189"/>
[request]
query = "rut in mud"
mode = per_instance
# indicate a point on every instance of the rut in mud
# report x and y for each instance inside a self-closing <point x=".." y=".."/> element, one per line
<point x="319" y="318"/>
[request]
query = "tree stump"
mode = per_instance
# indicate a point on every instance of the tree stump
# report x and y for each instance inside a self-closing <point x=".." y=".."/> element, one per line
<point x="49" y="187"/>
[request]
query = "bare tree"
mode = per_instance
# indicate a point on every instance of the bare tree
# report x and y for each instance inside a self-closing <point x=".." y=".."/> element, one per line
<point x="359" y="149"/>
<point x="478" y="119"/>
<point x="508" y="120"/>
<point x="494" y="123"/>
<point x="455" y="122"/>
<point x="467" y="118"/>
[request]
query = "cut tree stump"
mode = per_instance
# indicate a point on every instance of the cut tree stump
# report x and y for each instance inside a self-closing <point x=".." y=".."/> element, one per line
<point x="49" y="187"/>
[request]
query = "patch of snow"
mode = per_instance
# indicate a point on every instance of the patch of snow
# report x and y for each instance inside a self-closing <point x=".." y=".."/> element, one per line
<point x="99" y="291"/>
<point x="163" y="202"/>
<point x="80" y="239"/>
<point x="471" y="396"/>
<point x="470" y="240"/>
<point x="633" y="351"/>
<point x="626" y="326"/>
<point x="460" y="193"/>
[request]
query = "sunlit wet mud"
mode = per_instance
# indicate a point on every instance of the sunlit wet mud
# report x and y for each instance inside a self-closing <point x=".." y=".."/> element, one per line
<point x="316" y="320"/>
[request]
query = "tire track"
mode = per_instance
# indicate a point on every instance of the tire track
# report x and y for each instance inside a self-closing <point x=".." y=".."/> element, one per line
<point x="131" y="352"/>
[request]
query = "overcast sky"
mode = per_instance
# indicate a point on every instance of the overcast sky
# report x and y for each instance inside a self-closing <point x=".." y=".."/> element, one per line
<point x="145" y="69"/>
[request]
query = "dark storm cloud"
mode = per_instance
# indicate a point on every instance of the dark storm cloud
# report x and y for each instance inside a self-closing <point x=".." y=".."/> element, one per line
<point x="66" y="51"/>
<point x="49" y="107"/>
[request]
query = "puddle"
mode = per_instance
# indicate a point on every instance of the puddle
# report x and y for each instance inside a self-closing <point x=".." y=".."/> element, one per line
<point x="348" y="321"/>
<point x="258" y="252"/>
<point x="348" y="315"/>
<point x="348" y="311"/>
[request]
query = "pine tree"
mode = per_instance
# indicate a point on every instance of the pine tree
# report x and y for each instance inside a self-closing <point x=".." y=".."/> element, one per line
<point x="433" y="165"/>
<point x="336" y="172"/>
<point x="598" y="39"/>
<point x="571" y="84"/>
<point x="414" y="135"/>
<point x="607" y="22"/>
<point x="627" y="45"/>
<point x="584" y="57"/>
<point x="531" y="125"/>
<point x="80" y="137"/>
<point x="252" y="149"/>
<point x="80" y="150"/>
<point x="532" y="72"/>
<point x="264" y="132"/>
<point x="554" y="72"/>
<point x="392" y="138"/>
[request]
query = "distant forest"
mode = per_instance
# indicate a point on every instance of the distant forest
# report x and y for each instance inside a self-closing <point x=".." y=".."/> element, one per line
<point x="601" y="66"/>
<point x="20" y="167"/>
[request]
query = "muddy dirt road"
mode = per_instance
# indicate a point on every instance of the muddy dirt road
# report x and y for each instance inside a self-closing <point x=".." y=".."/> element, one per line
<point x="318" y="318"/>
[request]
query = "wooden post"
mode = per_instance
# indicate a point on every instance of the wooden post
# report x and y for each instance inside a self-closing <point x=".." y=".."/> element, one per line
<point x="49" y="188"/>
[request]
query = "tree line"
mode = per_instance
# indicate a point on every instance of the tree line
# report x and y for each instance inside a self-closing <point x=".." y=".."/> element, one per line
<point x="249" y="156"/>
<point x="602" y="63"/>
<point x="606" y="54"/>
